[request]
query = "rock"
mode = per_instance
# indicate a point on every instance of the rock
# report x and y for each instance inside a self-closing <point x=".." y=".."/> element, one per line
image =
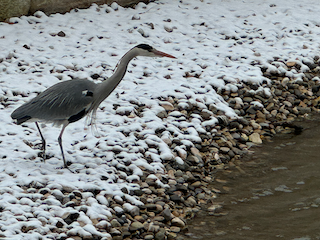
<point x="196" y="184"/>
<point x="135" y="226"/>
<point x="278" y="92"/>
<point x="103" y="224"/>
<point x="291" y="63"/>
<point x="244" y="137"/>
<point x="224" y="149"/>
<point x="162" y="114"/>
<point x="58" y="194"/>
<point x="168" y="29"/>
<point x="61" y="34"/>
<point x="44" y="191"/>
<point x="166" y="213"/>
<point x="114" y="238"/>
<point x="149" y="237"/>
<point x="172" y="236"/>
<point x="70" y="217"/>
<point x="178" y="222"/>
<point x="215" y="208"/>
<point x="139" y="218"/>
<point x="255" y="138"/>
<point x="167" y="106"/>
<point x="153" y="228"/>
<point x="175" y="229"/>
<point x="159" y="208"/>
<point x="190" y="202"/>
<point x="125" y="235"/>
<point x="118" y="210"/>
<point x="159" y="218"/>
<point x="67" y="188"/>
<point x="133" y="210"/>
<point x="304" y="110"/>
<point x="151" y="207"/>
<point x="176" y="198"/>
<point x="194" y="160"/>
<point x="14" y="8"/>
<point x="247" y="99"/>
<point x="114" y="232"/>
<point x="161" y="235"/>
<point x="206" y="114"/>
<point x="59" y="224"/>
<point x="178" y="173"/>
<point x="115" y="223"/>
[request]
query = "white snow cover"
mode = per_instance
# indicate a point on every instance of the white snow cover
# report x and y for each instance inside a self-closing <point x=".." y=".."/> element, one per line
<point x="218" y="44"/>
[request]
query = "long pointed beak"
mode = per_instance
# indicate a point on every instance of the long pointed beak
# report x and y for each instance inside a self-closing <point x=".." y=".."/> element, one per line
<point x="162" y="54"/>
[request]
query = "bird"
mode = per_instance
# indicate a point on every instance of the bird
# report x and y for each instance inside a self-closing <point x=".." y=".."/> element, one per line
<point x="69" y="101"/>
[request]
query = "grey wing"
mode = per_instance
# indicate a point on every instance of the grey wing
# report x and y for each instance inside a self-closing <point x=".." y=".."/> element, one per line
<point x="67" y="100"/>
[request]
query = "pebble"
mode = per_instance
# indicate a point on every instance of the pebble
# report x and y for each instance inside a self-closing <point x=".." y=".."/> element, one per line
<point x="135" y="226"/>
<point x="134" y="211"/>
<point x="160" y="235"/>
<point x="191" y="202"/>
<point x="70" y="217"/>
<point x="196" y="184"/>
<point x="171" y="235"/>
<point x="115" y="232"/>
<point x="115" y="223"/>
<point x="139" y="218"/>
<point x="149" y="237"/>
<point x="178" y="222"/>
<point x="166" y="213"/>
<point x="175" y="229"/>
<point x="167" y="106"/>
<point x="153" y="228"/>
<point x="255" y="138"/>
<point x="176" y="198"/>
<point x="214" y="208"/>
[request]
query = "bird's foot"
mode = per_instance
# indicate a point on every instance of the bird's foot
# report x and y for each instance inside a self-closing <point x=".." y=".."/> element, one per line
<point x="69" y="169"/>
<point x="43" y="156"/>
<point x="66" y="165"/>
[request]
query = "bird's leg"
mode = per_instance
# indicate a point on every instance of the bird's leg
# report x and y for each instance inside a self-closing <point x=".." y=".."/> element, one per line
<point x="61" y="148"/>
<point x="43" y="143"/>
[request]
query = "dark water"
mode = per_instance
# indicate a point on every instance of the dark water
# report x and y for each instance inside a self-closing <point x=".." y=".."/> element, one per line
<point x="275" y="196"/>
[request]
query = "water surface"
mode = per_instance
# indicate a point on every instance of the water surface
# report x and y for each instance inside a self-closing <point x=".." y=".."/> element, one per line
<point x="275" y="195"/>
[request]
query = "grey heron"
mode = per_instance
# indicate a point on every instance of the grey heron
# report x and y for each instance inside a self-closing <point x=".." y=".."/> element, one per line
<point x="69" y="101"/>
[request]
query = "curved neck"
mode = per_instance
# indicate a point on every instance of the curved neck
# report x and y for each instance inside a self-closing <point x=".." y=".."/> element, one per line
<point x="104" y="89"/>
<point x="121" y="67"/>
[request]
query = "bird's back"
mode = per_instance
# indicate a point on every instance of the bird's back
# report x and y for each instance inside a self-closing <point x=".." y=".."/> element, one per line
<point x="64" y="101"/>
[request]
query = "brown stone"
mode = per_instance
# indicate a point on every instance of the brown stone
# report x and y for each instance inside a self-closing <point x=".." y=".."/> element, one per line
<point x="13" y="8"/>
<point x="17" y="8"/>
<point x="167" y="106"/>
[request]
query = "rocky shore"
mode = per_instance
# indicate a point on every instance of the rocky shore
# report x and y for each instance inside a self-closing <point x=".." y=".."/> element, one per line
<point x="192" y="184"/>
<point x="171" y="199"/>
<point x="167" y="129"/>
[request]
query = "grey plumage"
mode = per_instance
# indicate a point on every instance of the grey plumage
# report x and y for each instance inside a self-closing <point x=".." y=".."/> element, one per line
<point x="69" y="101"/>
<point x="58" y="104"/>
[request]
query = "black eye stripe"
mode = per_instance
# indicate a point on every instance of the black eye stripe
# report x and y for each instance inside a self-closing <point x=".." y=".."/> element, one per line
<point x="145" y="47"/>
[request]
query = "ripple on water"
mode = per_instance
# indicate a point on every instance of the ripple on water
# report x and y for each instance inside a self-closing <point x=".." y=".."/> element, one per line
<point x="277" y="198"/>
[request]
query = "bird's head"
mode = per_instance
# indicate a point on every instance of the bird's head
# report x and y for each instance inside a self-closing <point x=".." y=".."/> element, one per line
<point x="148" y="51"/>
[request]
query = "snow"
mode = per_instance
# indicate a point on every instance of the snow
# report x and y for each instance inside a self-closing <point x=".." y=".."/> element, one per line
<point x="219" y="44"/>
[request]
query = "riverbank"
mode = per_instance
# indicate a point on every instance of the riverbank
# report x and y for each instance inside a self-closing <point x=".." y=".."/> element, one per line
<point x="275" y="196"/>
<point x="192" y="186"/>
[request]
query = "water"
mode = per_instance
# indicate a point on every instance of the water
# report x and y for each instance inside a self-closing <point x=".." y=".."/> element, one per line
<point x="275" y="196"/>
